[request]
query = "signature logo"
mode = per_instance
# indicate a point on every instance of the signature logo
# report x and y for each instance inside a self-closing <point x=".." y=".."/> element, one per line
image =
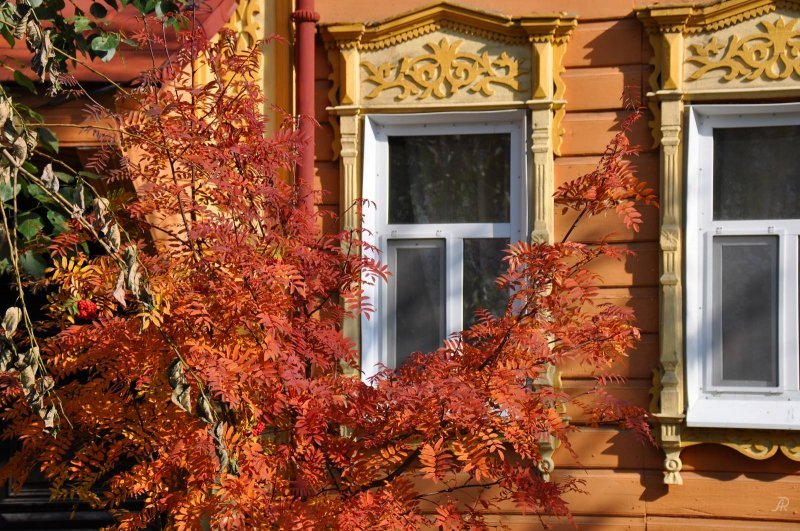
<point x="783" y="504"/>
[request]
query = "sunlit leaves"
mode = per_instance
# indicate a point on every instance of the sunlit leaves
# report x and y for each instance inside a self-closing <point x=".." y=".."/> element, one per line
<point x="214" y="383"/>
<point x="105" y="45"/>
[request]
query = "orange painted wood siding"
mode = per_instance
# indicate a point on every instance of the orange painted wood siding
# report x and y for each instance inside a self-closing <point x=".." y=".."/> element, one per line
<point x="607" y="52"/>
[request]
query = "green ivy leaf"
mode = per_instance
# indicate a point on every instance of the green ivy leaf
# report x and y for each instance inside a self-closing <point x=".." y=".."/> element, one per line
<point x="57" y="220"/>
<point x="98" y="10"/>
<point x="88" y="175"/>
<point x="64" y="177"/>
<point x="37" y="193"/>
<point x="107" y="43"/>
<point x="80" y="24"/>
<point x="6" y="192"/>
<point x="24" y="81"/>
<point x="31" y="226"/>
<point x="163" y="7"/>
<point x="33" y="264"/>
<point x="48" y="139"/>
<point x="32" y="115"/>
<point x="8" y="36"/>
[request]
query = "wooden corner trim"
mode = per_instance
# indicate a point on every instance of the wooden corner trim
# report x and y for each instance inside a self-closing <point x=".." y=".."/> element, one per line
<point x="444" y="15"/>
<point x="699" y="16"/>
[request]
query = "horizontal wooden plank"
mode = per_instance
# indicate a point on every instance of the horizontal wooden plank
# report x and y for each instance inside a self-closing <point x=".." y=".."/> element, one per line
<point x="608" y="448"/>
<point x="321" y="101"/>
<point x="588" y="133"/>
<point x="662" y="523"/>
<point x="608" y="43"/>
<point x="640" y="269"/>
<point x="593" y="89"/>
<point x="64" y="117"/>
<point x="629" y="494"/>
<point x="515" y="522"/>
<point x="322" y="68"/>
<point x="644" y="302"/>
<point x="715" y="458"/>
<point x="324" y="143"/>
<point x="326" y="179"/>
<point x="754" y="496"/>
<point x="608" y="225"/>
<point x="640" y="362"/>
<point x="646" y="167"/>
<point x="370" y="10"/>
<point x="617" y="523"/>
<point x="634" y="392"/>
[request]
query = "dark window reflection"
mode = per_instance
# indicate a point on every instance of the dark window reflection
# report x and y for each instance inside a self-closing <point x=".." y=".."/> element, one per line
<point x="746" y="308"/>
<point x="483" y="263"/>
<point x="417" y="287"/>
<point x="757" y="173"/>
<point x="449" y="178"/>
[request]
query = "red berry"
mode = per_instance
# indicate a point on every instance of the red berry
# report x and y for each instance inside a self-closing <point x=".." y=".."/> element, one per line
<point x="259" y="428"/>
<point x="87" y="310"/>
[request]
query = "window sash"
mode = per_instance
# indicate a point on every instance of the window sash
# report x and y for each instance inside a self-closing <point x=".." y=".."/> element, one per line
<point x="375" y="335"/>
<point x="727" y="405"/>
<point x="441" y="246"/>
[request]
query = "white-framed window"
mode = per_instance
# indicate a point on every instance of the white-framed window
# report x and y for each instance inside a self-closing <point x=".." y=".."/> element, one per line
<point x="742" y="266"/>
<point x="450" y="191"/>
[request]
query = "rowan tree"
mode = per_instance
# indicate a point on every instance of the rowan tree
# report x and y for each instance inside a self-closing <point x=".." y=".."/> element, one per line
<point x="192" y="355"/>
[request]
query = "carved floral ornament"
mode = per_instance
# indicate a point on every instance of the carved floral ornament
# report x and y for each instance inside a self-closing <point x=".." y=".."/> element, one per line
<point x="443" y="72"/>
<point x="732" y="40"/>
<point x="754" y="444"/>
<point x="446" y="50"/>
<point x="773" y="53"/>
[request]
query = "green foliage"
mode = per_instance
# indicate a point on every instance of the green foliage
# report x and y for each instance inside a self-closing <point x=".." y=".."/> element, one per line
<point x="24" y="81"/>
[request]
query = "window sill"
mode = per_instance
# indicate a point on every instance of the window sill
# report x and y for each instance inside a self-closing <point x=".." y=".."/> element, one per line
<point x="764" y="413"/>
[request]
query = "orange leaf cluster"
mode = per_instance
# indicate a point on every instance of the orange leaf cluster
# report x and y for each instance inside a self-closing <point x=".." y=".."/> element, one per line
<point x="212" y="384"/>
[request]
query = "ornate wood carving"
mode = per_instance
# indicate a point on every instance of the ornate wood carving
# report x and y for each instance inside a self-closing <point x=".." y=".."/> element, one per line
<point x="752" y="443"/>
<point x="442" y="72"/>
<point x="773" y="53"/>
<point x="246" y="22"/>
<point x="690" y="42"/>
<point x="542" y="173"/>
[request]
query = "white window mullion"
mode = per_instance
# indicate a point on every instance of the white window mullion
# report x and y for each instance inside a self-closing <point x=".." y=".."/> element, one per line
<point x="455" y="283"/>
<point x="789" y="323"/>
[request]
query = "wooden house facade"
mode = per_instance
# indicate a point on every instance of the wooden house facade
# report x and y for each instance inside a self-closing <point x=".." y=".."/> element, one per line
<point x="714" y="281"/>
<point x="729" y="451"/>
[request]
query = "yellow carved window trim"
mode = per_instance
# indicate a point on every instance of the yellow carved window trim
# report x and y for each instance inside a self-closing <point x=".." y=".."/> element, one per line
<point x="435" y="78"/>
<point x="690" y="44"/>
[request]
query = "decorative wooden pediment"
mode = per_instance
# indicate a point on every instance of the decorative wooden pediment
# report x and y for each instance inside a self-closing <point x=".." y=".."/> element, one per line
<point x="708" y="51"/>
<point x="448" y="55"/>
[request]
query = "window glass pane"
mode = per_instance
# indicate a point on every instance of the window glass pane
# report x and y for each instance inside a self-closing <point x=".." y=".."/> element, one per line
<point x="449" y="178"/>
<point x="416" y="292"/>
<point x="757" y="173"/>
<point x="745" y="291"/>
<point x="483" y="263"/>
